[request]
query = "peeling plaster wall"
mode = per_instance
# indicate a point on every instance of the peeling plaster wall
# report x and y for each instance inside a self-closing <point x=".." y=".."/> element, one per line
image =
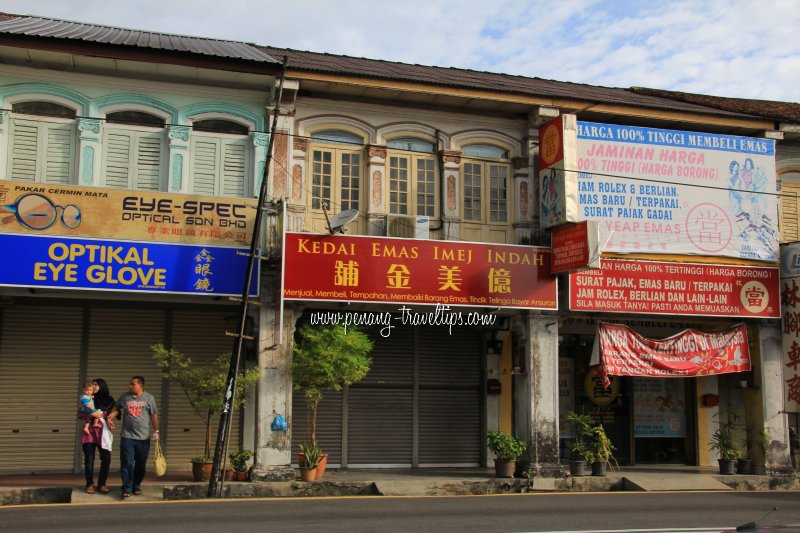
<point x="538" y="399"/>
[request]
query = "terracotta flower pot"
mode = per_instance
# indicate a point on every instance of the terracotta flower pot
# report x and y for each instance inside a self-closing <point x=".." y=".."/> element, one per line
<point x="201" y="471"/>
<point x="242" y="476"/>
<point x="308" y="474"/>
<point x="229" y="474"/>
<point x="323" y="462"/>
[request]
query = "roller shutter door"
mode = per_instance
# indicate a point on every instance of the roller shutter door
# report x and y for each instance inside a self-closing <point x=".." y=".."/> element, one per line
<point x="40" y="351"/>
<point x="329" y="425"/>
<point x="380" y="407"/>
<point x="119" y="348"/>
<point x="201" y="336"/>
<point x="449" y="398"/>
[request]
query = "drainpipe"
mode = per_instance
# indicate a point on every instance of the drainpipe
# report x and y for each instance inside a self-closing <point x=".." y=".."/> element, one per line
<point x="440" y="161"/>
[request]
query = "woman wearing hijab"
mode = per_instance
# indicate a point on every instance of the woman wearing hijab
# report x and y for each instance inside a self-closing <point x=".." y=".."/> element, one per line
<point x="98" y="439"/>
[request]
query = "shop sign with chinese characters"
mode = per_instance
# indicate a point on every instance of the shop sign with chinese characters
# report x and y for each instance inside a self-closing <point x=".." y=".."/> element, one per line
<point x="621" y="351"/>
<point x="662" y="191"/>
<point x="790" y="309"/>
<point x="387" y="270"/>
<point x="662" y="288"/>
<point x="65" y="263"/>
<point x="575" y="247"/>
<point x="93" y="212"/>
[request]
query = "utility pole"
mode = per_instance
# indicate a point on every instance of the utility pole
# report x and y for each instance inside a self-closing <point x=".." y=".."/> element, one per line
<point x="230" y="388"/>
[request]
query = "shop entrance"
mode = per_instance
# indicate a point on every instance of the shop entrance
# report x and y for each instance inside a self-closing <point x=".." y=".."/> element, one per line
<point x="649" y="420"/>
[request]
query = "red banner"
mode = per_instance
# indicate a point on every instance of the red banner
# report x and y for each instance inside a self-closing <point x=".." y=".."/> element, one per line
<point x="387" y="270"/>
<point x="575" y="246"/>
<point x="661" y="288"/>
<point x="621" y="351"/>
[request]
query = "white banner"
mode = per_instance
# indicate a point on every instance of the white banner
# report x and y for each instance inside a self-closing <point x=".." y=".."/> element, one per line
<point x="677" y="192"/>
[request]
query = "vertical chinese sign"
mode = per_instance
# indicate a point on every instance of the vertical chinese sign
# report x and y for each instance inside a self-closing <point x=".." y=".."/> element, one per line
<point x="557" y="178"/>
<point x="790" y="310"/>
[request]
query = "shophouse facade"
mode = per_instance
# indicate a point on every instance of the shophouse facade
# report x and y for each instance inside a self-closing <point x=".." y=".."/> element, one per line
<point x="123" y="159"/>
<point x="420" y="153"/>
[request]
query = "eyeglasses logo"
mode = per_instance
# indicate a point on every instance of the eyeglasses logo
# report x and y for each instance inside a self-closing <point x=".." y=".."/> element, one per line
<point x="37" y="212"/>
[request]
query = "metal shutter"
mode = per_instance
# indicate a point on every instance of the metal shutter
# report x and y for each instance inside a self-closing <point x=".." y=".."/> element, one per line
<point x="40" y="351"/>
<point x="380" y="430"/>
<point x="329" y="425"/>
<point x="201" y="336"/>
<point x="449" y="397"/>
<point x="119" y="348"/>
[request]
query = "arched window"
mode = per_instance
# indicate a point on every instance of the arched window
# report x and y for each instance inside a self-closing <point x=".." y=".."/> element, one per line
<point x="486" y="151"/>
<point x="135" y="118"/>
<point x="221" y="126"/>
<point x="336" y="170"/>
<point x="486" y="174"/>
<point x="42" y="142"/>
<point x="220" y="158"/>
<point x="412" y="177"/>
<point x="337" y="137"/>
<point x="412" y="145"/>
<point x="134" y="151"/>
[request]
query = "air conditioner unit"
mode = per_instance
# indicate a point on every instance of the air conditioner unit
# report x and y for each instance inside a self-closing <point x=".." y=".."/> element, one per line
<point x="422" y="227"/>
<point x="400" y="226"/>
<point x="408" y="227"/>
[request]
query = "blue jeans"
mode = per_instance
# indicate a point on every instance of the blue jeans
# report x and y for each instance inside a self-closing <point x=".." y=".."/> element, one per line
<point x="133" y="462"/>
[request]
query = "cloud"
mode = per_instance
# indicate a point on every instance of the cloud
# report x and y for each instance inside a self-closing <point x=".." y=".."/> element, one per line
<point x="736" y="48"/>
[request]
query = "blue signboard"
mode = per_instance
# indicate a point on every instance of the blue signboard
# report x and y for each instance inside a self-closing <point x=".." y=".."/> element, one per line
<point x="94" y="264"/>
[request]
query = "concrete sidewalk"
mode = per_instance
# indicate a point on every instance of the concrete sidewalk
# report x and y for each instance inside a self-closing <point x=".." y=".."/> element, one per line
<point x="69" y="488"/>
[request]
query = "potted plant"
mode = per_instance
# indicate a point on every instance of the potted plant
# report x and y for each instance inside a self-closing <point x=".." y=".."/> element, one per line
<point x="580" y="449"/>
<point x="201" y="467"/>
<point x="722" y="441"/>
<point x="506" y="449"/>
<point x="602" y="451"/>
<point x="326" y="358"/>
<point x="239" y="463"/>
<point x="204" y="386"/>
<point x="311" y="453"/>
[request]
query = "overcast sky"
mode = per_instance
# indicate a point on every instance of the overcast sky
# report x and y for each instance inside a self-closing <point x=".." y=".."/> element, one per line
<point x="734" y="48"/>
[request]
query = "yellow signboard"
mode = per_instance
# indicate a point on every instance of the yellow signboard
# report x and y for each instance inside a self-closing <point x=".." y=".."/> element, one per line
<point x="92" y="212"/>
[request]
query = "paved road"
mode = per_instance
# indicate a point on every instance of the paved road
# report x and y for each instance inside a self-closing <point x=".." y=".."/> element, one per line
<point x="525" y="512"/>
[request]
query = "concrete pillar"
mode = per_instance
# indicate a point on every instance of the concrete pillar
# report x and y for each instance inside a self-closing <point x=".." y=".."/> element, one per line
<point x="538" y="394"/>
<point x="178" y="171"/>
<point x="376" y="186"/>
<point x="778" y="460"/>
<point x="5" y="126"/>
<point x="273" y="448"/>
<point x="451" y="202"/>
<point x="89" y="150"/>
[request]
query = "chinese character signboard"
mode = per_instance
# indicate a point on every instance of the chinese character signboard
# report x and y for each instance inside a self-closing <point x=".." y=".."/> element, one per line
<point x="557" y="176"/>
<point x="671" y="192"/>
<point x="621" y="351"/>
<point x="661" y="288"/>
<point x="790" y="309"/>
<point x="379" y="269"/>
<point x="575" y="246"/>
<point x="47" y="209"/>
<point x="66" y="263"/>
